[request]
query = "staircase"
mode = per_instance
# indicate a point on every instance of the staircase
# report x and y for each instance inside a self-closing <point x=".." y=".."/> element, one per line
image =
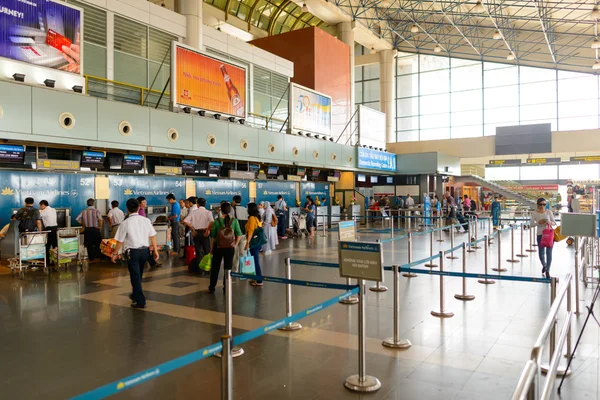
<point x="519" y="198"/>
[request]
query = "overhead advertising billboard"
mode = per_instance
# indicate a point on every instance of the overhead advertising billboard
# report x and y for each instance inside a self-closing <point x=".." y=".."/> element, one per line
<point x="310" y="111"/>
<point x="371" y="127"/>
<point x="41" y="32"/>
<point x="207" y="83"/>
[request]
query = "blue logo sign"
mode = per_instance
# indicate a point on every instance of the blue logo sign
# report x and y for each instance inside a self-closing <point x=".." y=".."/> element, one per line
<point x="375" y="159"/>
<point x="269" y="190"/>
<point x="217" y="190"/>
<point x="155" y="189"/>
<point x="314" y="189"/>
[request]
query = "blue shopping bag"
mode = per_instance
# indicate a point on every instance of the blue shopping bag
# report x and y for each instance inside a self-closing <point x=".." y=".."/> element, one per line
<point x="247" y="264"/>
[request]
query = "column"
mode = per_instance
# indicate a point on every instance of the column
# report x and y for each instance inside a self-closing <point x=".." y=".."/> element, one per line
<point x="388" y="88"/>
<point x="346" y="35"/>
<point x="192" y="9"/>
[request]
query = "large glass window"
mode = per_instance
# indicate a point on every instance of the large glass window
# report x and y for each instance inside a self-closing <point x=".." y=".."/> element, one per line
<point x="366" y="82"/>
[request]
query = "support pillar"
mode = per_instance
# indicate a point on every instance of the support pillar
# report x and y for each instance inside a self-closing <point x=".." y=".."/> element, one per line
<point x="346" y="35"/>
<point x="388" y="89"/>
<point x="192" y="9"/>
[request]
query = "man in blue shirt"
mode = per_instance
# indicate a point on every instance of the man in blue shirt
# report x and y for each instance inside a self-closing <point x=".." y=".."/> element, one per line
<point x="174" y="220"/>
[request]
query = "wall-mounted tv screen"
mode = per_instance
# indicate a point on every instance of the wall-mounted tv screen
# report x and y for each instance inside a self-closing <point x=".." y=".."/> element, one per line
<point x="188" y="166"/>
<point x="133" y="161"/>
<point x="92" y="159"/>
<point x="361" y="178"/>
<point x="214" y="168"/>
<point x="374" y="179"/>
<point x="254" y="167"/>
<point x="301" y="171"/>
<point x="12" y="154"/>
<point x="389" y="180"/>
<point x="272" y="171"/>
<point x="316" y="173"/>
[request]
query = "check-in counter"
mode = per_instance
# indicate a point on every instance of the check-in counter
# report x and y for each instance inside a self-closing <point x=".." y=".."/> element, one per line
<point x="322" y="215"/>
<point x="335" y="215"/>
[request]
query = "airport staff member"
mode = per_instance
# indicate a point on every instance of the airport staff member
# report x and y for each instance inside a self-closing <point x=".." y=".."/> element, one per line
<point x="115" y="217"/>
<point x="174" y="220"/>
<point x="198" y="221"/>
<point x="91" y="220"/>
<point x="135" y="235"/>
<point x="50" y="222"/>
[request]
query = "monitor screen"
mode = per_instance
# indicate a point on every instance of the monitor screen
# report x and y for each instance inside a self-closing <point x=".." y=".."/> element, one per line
<point x="12" y="154"/>
<point x="336" y="174"/>
<point x="254" y="167"/>
<point x="133" y="161"/>
<point x="390" y="180"/>
<point x="272" y="171"/>
<point x="361" y="178"/>
<point x="301" y="171"/>
<point x="373" y="179"/>
<point x="188" y="166"/>
<point x="316" y="173"/>
<point x="214" y="168"/>
<point x="92" y="159"/>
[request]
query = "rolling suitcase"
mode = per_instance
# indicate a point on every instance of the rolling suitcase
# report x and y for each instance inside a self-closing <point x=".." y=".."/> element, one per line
<point x="190" y="257"/>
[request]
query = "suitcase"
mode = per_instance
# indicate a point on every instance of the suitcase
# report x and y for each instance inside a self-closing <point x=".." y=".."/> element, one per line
<point x="190" y="254"/>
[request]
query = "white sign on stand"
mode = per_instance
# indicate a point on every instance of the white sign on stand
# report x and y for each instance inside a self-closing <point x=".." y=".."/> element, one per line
<point x="361" y="260"/>
<point x="347" y="230"/>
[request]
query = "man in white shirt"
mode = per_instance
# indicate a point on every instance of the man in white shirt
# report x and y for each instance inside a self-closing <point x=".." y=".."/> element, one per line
<point x="134" y="235"/>
<point x="115" y="217"/>
<point x="199" y="220"/>
<point x="50" y="223"/>
<point x="409" y="202"/>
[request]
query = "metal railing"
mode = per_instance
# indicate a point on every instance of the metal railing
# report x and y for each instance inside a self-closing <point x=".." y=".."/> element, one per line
<point x="266" y="122"/>
<point x="530" y="385"/>
<point x="125" y="92"/>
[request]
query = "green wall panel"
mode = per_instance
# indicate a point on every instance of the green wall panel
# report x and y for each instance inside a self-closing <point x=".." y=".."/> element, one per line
<point x="349" y="159"/>
<point x="170" y="130"/>
<point x="207" y="128"/>
<point x="334" y="154"/>
<point x="15" y="101"/>
<point x="294" y="148"/>
<point x="112" y="114"/>
<point x="240" y="136"/>
<point x="270" y="145"/>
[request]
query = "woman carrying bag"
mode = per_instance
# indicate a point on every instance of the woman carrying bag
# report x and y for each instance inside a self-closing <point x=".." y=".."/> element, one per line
<point x="270" y="227"/>
<point x="255" y="239"/>
<point x="226" y="235"/>
<point x="543" y="220"/>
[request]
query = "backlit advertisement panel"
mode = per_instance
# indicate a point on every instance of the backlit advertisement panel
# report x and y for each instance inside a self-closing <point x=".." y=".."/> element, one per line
<point x="41" y="32"/>
<point x="207" y="83"/>
<point x="310" y="111"/>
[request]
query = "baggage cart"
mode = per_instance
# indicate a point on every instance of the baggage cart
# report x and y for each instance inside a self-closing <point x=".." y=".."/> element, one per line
<point x="68" y="250"/>
<point x="32" y="253"/>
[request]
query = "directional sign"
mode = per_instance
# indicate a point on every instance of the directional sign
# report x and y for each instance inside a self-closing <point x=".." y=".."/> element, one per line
<point x="361" y="260"/>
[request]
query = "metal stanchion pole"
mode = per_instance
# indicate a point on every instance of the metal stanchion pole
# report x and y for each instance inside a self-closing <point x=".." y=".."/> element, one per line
<point x="362" y="382"/>
<point x="235" y="351"/>
<point x="469" y="238"/>
<point x="395" y="342"/>
<point x="576" y="277"/>
<point x="561" y="370"/>
<point x="486" y="250"/>
<point x="451" y="256"/>
<point x="226" y="369"/>
<point x="569" y="309"/>
<point x="392" y="223"/>
<point x="499" y="268"/>
<point x="442" y="313"/>
<point x="476" y="246"/>
<point x="408" y="221"/>
<point x="490" y="238"/>
<point x="292" y="326"/>
<point x="464" y="295"/>
<point x="522" y="254"/>
<point x="378" y="286"/>
<point x="441" y="239"/>
<point x="430" y="264"/>
<point x="351" y="299"/>
<point x="324" y="234"/>
<point x="531" y="249"/>
<point x="512" y="246"/>
<point x="409" y="274"/>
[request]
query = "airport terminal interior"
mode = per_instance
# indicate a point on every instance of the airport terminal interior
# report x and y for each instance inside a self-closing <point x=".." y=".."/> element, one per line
<point x="299" y="199"/>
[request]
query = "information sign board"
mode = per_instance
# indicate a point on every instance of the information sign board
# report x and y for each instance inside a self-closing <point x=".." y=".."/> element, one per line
<point x="347" y="231"/>
<point x="361" y="260"/>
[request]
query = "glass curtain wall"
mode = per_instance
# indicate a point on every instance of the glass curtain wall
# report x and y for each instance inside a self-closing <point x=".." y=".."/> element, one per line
<point x="366" y="82"/>
<point x="449" y="98"/>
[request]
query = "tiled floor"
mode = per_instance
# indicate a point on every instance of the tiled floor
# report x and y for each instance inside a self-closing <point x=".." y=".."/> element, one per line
<point x="70" y="332"/>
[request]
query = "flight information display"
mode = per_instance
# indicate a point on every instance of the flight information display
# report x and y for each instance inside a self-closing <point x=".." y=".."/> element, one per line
<point x="133" y="161"/>
<point x="93" y="159"/>
<point x="12" y="154"/>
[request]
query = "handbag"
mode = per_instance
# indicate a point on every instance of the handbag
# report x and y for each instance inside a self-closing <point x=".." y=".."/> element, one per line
<point x="274" y="220"/>
<point x="247" y="264"/>
<point x="547" y="237"/>
<point x="206" y="262"/>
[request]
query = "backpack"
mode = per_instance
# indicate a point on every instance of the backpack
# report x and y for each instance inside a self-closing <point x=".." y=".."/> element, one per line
<point x="28" y="223"/>
<point x="258" y="238"/>
<point x="242" y="223"/>
<point x="225" y="236"/>
<point x="274" y="220"/>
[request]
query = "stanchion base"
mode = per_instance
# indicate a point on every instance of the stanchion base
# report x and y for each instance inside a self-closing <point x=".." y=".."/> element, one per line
<point x="522" y="255"/>
<point x="531" y="250"/>
<point x="235" y="352"/>
<point x="292" y="326"/>
<point x="400" y="344"/>
<point x="440" y="240"/>
<point x="445" y="314"/>
<point x="452" y="257"/>
<point x="499" y="269"/>
<point x="510" y="260"/>
<point x="430" y="265"/>
<point x="349" y="300"/>
<point x="409" y="275"/>
<point x="466" y="297"/>
<point x="486" y="281"/>
<point x="378" y="289"/>
<point x="366" y="385"/>
<point x="471" y="250"/>
<point x="475" y="247"/>
<point x="560" y="371"/>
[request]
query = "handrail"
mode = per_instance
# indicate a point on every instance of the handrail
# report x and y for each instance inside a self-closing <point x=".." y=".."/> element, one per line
<point x="128" y="85"/>
<point x="530" y="385"/>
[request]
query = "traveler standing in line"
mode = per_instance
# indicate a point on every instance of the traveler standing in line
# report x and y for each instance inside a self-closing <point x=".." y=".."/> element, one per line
<point x="91" y="220"/>
<point x="241" y="214"/>
<point x="409" y="202"/>
<point x="30" y="217"/>
<point x="311" y="210"/>
<point x="270" y="230"/>
<point x="50" y="223"/>
<point x="496" y="207"/>
<point x="467" y="203"/>
<point x="174" y="221"/>
<point x="184" y="209"/>
<point x="540" y="219"/>
<point x="226" y="234"/>
<point x="254" y="222"/>
<point x="400" y="202"/>
<point x="198" y="221"/>
<point x="142" y="212"/>
<point x="281" y="213"/>
<point x="115" y="217"/>
<point x="134" y="236"/>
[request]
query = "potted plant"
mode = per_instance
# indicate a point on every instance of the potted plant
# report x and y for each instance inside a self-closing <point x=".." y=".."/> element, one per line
<point x="353" y="201"/>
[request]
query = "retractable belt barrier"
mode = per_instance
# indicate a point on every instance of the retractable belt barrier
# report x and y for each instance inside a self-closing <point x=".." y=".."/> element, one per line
<point x="320" y="285"/>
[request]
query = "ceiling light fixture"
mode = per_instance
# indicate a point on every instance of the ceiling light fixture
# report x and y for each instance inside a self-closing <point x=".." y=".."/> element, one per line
<point x="19" y="77"/>
<point x="77" y="89"/>
<point x="596" y="43"/>
<point x="596" y="65"/>
<point x="414" y="29"/>
<point x="49" y="83"/>
<point x="510" y="56"/>
<point x="217" y="116"/>
<point x="497" y="35"/>
<point x="478" y="8"/>
<point x="596" y="12"/>
<point x="304" y="8"/>
<point x="437" y="49"/>
<point x="373" y="51"/>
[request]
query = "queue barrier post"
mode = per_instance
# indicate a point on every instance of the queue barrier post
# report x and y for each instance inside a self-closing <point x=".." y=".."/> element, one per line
<point x="431" y="264"/>
<point x="378" y="286"/>
<point x="409" y="274"/>
<point x="226" y="369"/>
<point x="392" y="224"/>
<point x="442" y="313"/>
<point x="292" y="326"/>
<point x="362" y="382"/>
<point x="452" y="256"/>
<point x="576" y="278"/>
<point x="235" y="351"/>
<point x="491" y="239"/>
<point x="475" y="245"/>
<point x="324" y="234"/>
<point x="464" y="295"/>
<point x="545" y="367"/>
<point x="441" y="239"/>
<point x="486" y="250"/>
<point x="531" y="249"/>
<point x="522" y="253"/>
<point x="395" y="342"/>
<point x="499" y="268"/>
<point x="512" y="258"/>
<point x="469" y="238"/>
<point x="408" y="221"/>
<point x="350" y="299"/>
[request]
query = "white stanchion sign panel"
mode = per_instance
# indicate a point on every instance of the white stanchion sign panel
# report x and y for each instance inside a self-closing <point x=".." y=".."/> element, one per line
<point x="361" y="260"/>
<point x="347" y="230"/>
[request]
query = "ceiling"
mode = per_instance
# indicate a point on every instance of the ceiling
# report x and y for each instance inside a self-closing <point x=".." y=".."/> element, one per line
<point x="551" y="34"/>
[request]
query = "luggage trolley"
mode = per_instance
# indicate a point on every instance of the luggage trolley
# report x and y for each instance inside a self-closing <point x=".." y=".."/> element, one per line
<point x="67" y="252"/>
<point x="32" y="253"/>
